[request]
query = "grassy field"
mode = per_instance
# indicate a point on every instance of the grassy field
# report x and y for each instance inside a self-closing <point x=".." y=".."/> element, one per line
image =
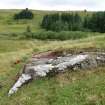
<point x="8" y="24"/>
<point x="71" y="88"/>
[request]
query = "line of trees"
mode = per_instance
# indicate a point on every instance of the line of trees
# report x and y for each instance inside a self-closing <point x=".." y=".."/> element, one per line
<point x="96" y="22"/>
<point x="74" y="22"/>
<point x="64" y="21"/>
<point x="68" y="21"/>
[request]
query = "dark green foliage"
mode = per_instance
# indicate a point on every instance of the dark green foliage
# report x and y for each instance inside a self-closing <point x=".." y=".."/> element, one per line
<point x="77" y="22"/>
<point x="86" y="22"/>
<point x="28" y="32"/>
<point x="28" y="29"/>
<point x="48" y="20"/>
<point x="62" y="35"/>
<point x="58" y="26"/>
<point x="85" y="11"/>
<point x="24" y="14"/>
<point x="96" y="22"/>
<point x="74" y="22"/>
<point x="62" y="22"/>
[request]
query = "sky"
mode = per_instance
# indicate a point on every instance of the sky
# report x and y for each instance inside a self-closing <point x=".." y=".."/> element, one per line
<point x="91" y="5"/>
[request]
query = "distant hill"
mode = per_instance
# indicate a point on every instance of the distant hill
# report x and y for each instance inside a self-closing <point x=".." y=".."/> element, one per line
<point x="7" y="24"/>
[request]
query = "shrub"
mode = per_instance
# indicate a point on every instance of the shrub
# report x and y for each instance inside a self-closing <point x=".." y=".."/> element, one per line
<point x="28" y="29"/>
<point x="63" y="35"/>
<point x="24" y="14"/>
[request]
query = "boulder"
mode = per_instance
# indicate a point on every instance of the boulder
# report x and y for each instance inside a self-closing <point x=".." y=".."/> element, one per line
<point x="42" y="65"/>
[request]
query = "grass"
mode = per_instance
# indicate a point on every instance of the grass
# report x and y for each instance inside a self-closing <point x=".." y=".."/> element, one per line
<point x="7" y="24"/>
<point x="70" y="88"/>
<point x="17" y="28"/>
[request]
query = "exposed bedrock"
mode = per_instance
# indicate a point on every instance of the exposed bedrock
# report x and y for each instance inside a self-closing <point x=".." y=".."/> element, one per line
<point x="43" y="64"/>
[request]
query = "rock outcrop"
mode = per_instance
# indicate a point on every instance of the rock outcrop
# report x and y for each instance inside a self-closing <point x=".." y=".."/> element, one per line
<point x="42" y="64"/>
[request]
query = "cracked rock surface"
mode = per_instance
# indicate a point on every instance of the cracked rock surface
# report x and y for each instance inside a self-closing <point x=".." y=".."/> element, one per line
<point x="42" y="64"/>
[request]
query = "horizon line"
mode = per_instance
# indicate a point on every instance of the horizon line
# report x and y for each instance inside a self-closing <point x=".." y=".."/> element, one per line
<point x="50" y="10"/>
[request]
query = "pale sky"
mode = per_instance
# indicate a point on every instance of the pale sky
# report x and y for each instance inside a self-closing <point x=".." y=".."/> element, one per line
<point x="92" y="5"/>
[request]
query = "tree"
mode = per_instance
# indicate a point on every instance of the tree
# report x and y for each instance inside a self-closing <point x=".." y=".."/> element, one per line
<point x="97" y="22"/>
<point x="77" y="22"/>
<point x="59" y="26"/>
<point x="48" y="20"/>
<point x="24" y="14"/>
<point x="65" y="21"/>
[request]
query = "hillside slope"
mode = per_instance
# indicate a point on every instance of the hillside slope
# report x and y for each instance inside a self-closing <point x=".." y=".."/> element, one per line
<point x="8" y="24"/>
<point x="70" y="88"/>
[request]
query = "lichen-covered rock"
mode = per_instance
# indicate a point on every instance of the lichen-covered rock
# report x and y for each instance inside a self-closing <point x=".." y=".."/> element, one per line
<point x="42" y="65"/>
<point x="22" y="79"/>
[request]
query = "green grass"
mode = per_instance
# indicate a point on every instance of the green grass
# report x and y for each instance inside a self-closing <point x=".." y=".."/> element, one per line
<point x="10" y="27"/>
<point x="70" y="88"/>
<point x="8" y="24"/>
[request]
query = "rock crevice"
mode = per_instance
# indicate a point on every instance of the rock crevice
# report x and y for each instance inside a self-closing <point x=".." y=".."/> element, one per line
<point x="42" y="64"/>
